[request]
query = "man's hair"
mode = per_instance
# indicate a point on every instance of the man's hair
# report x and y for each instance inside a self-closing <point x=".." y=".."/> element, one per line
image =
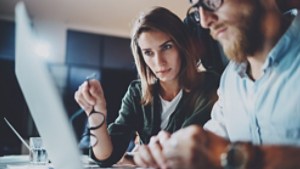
<point x="161" y="19"/>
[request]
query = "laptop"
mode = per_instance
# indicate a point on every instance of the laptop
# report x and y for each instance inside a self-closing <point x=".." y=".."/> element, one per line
<point x="43" y="98"/>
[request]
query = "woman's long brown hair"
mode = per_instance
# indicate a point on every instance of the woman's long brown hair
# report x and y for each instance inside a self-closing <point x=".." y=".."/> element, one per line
<point x="162" y="19"/>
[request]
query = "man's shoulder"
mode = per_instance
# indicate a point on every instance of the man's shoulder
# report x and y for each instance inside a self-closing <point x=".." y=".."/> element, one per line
<point x="230" y="69"/>
<point x="231" y="74"/>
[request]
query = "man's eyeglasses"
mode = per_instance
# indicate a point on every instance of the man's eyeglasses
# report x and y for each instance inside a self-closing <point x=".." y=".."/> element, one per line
<point x="209" y="5"/>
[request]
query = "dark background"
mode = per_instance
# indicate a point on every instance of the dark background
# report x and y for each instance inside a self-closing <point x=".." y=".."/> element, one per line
<point x="110" y="57"/>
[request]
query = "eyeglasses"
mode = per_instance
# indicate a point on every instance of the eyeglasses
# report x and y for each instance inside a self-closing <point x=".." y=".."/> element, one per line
<point x="98" y="119"/>
<point x="209" y="5"/>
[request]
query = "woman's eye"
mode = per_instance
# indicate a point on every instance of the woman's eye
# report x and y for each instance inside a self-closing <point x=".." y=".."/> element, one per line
<point x="148" y="53"/>
<point x="166" y="47"/>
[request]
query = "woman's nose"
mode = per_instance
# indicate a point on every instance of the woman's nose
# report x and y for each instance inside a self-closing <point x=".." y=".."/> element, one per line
<point x="160" y="60"/>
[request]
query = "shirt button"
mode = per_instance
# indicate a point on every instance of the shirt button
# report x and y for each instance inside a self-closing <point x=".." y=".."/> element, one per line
<point x="275" y="63"/>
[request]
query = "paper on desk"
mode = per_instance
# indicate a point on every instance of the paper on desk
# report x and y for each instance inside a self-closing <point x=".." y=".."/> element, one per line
<point x="17" y="166"/>
<point x="12" y="159"/>
<point x="27" y="167"/>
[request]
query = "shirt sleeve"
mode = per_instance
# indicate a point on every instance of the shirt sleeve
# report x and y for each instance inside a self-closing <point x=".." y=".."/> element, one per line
<point x="121" y="131"/>
<point x="217" y="123"/>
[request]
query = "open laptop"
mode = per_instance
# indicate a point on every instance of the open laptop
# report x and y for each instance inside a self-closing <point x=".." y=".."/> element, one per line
<point x="43" y="98"/>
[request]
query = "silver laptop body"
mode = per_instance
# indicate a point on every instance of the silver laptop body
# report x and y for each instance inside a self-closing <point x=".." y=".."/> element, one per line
<point x="43" y="98"/>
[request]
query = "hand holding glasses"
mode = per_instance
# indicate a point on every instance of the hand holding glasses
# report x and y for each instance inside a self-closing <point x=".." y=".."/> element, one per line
<point x="208" y="5"/>
<point x="96" y="120"/>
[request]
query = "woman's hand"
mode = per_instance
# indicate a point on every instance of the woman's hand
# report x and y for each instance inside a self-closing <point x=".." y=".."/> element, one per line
<point x="91" y="94"/>
<point x="151" y="155"/>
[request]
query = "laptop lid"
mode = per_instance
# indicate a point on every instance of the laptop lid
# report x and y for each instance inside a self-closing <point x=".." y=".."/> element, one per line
<point x="43" y="98"/>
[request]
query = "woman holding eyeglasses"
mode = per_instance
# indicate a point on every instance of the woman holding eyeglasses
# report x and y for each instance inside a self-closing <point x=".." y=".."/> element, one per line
<point x="170" y="94"/>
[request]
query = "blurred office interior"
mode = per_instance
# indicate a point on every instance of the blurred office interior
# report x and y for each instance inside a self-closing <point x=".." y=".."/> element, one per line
<point x="78" y="38"/>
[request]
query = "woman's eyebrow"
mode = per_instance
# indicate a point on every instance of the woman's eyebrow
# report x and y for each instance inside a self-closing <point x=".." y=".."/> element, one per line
<point x="145" y="49"/>
<point x="171" y="40"/>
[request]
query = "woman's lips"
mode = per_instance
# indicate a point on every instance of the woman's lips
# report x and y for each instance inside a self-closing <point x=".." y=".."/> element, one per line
<point x="164" y="71"/>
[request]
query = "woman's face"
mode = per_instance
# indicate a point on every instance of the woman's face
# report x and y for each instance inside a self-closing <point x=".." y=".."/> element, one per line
<point x="161" y="55"/>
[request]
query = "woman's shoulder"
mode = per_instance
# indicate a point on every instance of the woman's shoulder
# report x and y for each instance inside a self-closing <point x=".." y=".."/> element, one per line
<point x="135" y="83"/>
<point x="207" y="77"/>
<point x="135" y="86"/>
<point x="207" y="81"/>
<point x="206" y="87"/>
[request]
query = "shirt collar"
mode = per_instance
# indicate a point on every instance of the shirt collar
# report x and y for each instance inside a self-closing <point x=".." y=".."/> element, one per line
<point x="290" y="38"/>
<point x="241" y="68"/>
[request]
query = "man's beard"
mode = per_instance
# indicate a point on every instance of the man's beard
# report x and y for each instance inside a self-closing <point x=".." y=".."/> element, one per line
<point x="249" y="37"/>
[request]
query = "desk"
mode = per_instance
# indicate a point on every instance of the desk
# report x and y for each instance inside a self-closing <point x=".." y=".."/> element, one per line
<point x="13" y="160"/>
<point x="22" y="161"/>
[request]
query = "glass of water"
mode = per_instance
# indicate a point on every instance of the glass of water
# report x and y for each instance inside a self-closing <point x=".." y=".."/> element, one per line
<point x="38" y="155"/>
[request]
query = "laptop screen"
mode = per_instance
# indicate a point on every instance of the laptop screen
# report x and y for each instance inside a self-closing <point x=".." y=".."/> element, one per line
<point x="43" y="98"/>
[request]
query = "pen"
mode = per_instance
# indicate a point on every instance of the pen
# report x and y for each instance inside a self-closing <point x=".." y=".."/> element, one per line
<point x="18" y="135"/>
<point x="140" y="140"/>
<point x="90" y="77"/>
<point x="78" y="112"/>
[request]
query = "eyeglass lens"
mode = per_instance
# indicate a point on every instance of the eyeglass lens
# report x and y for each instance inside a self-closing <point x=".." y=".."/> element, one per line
<point x="91" y="139"/>
<point x="212" y="4"/>
<point x="96" y="120"/>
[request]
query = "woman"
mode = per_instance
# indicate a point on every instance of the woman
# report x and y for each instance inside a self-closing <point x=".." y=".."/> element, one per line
<point x="170" y="94"/>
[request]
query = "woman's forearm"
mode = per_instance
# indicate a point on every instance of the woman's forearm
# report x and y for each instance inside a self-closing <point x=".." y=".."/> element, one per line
<point x="103" y="149"/>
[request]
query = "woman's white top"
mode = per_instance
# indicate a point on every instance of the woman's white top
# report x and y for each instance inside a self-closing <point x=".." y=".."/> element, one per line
<point x="168" y="108"/>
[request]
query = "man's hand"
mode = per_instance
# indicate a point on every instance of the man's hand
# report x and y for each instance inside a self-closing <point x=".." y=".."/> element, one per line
<point x="151" y="155"/>
<point x="193" y="147"/>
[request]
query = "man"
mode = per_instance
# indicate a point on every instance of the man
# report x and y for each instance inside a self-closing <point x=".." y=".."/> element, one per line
<point x="256" y="121"/>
